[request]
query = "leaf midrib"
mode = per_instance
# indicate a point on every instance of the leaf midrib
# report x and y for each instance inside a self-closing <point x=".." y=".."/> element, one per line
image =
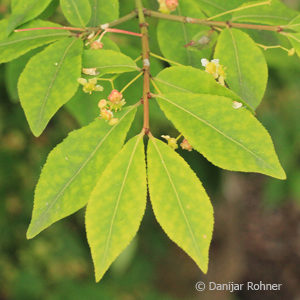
<point x="188" y="54"/>
<point x="52" y="82"/>
<point x="237" y="61"/>
<point x="95" y="8"/>
<point x="259" y="16"/>
<point x="32" y="38"/>
<point x="81" y="167"/>
<point x="189" y="91"/>
<point x="108" y="240"/>
<point x="117" y="66"/>
<point x="217" y="130"/>
<point x="178" y="199"/>
<point x="78" y="14"/>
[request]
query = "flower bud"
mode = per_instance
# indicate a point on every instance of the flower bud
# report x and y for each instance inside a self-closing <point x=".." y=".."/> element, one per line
<point x="166" y="6"/>
<point x="185" y="145"/>
<point x="106" y="114"/>
<point x="172" y="4"/>
<point x="102" y="103"/>
<point x="96" y="45"/>
<point x="115" y="96"/>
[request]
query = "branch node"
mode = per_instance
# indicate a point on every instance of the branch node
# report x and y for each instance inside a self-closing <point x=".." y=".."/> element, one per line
<point x="144" y="25"/>
<point x="104" y="26"/>
<point x="146" y="131"/>
<point x="228" y="24"/>
<point x="146" y="63"/>
<point x="188" y="20"/>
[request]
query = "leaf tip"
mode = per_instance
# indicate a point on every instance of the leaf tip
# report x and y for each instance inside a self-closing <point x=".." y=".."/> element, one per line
<point x="29" y="234"/>
<point x="282" y="175"/>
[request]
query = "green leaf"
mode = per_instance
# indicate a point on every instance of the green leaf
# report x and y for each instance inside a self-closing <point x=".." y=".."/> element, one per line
<point x="13" y="71"/>
<point x="20" y="43"/>
<point x="49" y="80"/>
<point x="275" y="13"/>
<point x="77" y="12"/>
<point x="173" y="36"/>
<point x="192" y="80"/>
<point x="73" y="168"/>
<point x="246" y="74"/>
<point x="294" y="37"/>
<point x="294" y="24"/>
<point x="117" y="205"/>
<point x="24" y="11"/>
<point x="215" y="7"/>
<point x="179" y="202"/>
<point x="103" y="11"/>
<point x="108" y="61"/>
<point x="232" y="139"/>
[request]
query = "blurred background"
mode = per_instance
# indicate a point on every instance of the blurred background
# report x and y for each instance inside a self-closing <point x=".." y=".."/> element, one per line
<point x="257" y="218"/>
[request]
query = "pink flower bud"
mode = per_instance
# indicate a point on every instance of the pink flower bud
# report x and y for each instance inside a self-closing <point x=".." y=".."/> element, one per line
<point x="185" y="145"/>
<point x="96" y="45"/>
<point x="115" y="96"/>
<point x="102" y="103"/>
<point x="172" y="4"/>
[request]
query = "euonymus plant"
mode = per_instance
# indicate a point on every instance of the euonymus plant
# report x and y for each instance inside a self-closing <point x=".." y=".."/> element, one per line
<point x="214" y="77"/>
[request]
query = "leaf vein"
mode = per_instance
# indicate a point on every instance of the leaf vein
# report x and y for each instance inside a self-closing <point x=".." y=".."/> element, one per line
<point x="108" y="240"/>
<point x="178" y="200"/>
<point x="218" y="130"/>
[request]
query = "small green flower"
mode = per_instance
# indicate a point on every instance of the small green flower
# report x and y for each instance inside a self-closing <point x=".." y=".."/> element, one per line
<point x="90" y="85"/>
<point x="172" y="142"/>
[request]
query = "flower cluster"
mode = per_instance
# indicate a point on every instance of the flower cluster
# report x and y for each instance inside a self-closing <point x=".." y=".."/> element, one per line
<point x="172" y="142"/>
<point x="115" y="102"/>
<point x="214" y="68"/>
<point x="167" y="6"/>
<point x="90" y="85"/>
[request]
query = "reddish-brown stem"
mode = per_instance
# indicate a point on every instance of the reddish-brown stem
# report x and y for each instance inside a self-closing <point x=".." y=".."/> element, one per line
<point x="115" y="30"/>
<point x="146" y="64"/>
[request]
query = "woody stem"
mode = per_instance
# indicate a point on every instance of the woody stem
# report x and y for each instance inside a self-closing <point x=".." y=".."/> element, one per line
<point x="182" y="19"/>
<point x="146" y="63"/>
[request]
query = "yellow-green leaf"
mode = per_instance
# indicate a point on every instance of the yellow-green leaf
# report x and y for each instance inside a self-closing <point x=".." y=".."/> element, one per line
<point x="116" y="206"/>
<point x="294" y="37"/>
<point x="173" y="37"/>
<point x="108" y="61"/>
<point x="24" y="11"/>
<point x="19" y="43"/>
<point x="77" y="12"/>
<point x="179" y="202"/>
<point x="191" y="80"/>
<point x="230" y="138"/>
<point x="246" y="67"/>
<point x="103" y="11"/>
<point x="273" y="13"/>
<point x="49" y="80"/>
<point x="73" y="168"/>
